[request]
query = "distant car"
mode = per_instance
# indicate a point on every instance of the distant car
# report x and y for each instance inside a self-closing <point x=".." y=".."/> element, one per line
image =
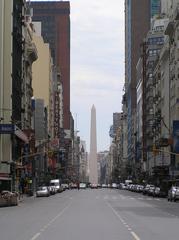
<point x="139" y="188"/>
<point x="56" y="184"/>
<point x="114" y="185"/>
<point x="151" y="190"/>
<point x="82" y="186"/>
<point x="146" y="189"/>
<point x="73" y="185"/>
<point x="104" y="185"/>
<point x="173" y="194"/>
<point x="122" y="186"/>
<point x="94" y="185"/>
<point x="65" y="186"/>
<point x="160" y="192"/>
<point x="43" y="191"/>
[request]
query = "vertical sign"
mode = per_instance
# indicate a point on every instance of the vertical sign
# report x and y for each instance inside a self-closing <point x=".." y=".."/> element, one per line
<point x="56" y="115"/>
<point x="176" y="136"/>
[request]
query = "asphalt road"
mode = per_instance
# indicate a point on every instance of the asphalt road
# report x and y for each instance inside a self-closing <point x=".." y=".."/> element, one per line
<point x="101" y="214"/>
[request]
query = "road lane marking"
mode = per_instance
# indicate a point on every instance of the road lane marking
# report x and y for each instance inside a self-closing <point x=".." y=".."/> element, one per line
<point x="135" y="236"/>
<point x="50" y="222"/>
<point x="35" y="236"/>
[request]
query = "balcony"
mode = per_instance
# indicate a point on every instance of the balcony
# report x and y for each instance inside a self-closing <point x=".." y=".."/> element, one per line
<point x="32" y="52"/>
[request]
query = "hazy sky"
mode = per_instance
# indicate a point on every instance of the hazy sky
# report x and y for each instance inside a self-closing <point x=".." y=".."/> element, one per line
<point x="97" y="64"/>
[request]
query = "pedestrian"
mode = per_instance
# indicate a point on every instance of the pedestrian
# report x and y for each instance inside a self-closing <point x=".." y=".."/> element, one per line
<point x="20" y="191"/>
<point x="21" y="188"/>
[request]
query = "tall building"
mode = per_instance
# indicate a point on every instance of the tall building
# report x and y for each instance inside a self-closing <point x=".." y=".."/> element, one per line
<point x="154" y="42"/>
<point x="55" y="20"/>
<point x="6" y="9"/>
<point x="137" y="24"/>
<point x="116" y="122"/>
<point x="42" y="72"/>
<point x="93" y="174"/>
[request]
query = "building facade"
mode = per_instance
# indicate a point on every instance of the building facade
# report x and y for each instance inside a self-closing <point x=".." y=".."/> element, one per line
<point x="55" y="20"/>
<point x="6" y="9"/>
<point x="137" y="24"/>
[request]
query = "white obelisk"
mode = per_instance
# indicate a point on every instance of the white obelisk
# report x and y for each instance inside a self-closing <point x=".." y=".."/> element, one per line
<point x="93" y="171"/>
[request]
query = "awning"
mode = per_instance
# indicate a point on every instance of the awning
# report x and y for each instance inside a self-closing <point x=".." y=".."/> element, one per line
<point x="5" y="178"/>
<point x="20" y="134"/>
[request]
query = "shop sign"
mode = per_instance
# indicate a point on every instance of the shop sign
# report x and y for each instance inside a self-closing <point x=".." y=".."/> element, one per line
<point x="7" y="128"/>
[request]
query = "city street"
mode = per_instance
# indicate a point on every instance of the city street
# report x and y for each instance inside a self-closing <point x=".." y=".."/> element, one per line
<point x="98" y="214"/>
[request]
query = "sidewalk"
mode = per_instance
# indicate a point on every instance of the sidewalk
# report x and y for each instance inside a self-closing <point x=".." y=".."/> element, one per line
<point x="25" y="197"/>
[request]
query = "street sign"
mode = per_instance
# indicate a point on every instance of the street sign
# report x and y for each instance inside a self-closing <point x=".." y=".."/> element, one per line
<point x="7" y="128"/>
<point x="67" y="133"/>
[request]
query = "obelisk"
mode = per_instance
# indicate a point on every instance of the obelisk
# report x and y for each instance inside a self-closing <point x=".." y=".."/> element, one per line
<point x="93" y="171"/>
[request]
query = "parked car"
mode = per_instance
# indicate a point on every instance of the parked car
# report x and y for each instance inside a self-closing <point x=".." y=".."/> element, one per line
<point x="114" y="185"/>
<point x="52" y="190"/>
<point x="43" y="191"/>
<point x="82" y="186"/>
<point x="65" y="186"/>
<point x="160" y="192"/>
<point x="151" y="190"/>
<point x="94" y="185"/>
<point x="56" y="184"/>
<point x="146" y="189"/>
<point x="122" y="186"/>
<point x="73" y="185"/>
<point x="104" y="185"/>
<point x="173" y="194"/>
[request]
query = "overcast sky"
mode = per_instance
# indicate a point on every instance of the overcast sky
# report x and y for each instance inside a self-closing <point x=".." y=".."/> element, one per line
<point x="97" y="64"/>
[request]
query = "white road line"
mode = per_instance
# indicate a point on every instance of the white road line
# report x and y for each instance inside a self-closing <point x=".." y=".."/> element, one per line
<point x="35" y="236"/>
<point x="50" y="222"/>
<point x="135" y="235"/>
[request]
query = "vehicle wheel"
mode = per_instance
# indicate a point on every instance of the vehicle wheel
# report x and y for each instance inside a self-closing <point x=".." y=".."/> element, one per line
<point x="174" y="200"/>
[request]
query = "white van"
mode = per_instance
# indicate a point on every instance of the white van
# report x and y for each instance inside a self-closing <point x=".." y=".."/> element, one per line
<point x="56" y="184"/>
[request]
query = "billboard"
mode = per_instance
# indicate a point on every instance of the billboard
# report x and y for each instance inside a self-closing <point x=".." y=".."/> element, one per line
<point x="176" y="136"/>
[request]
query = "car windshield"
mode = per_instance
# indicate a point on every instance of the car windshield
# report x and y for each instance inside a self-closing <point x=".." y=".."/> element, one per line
<point x="42" y="188"/>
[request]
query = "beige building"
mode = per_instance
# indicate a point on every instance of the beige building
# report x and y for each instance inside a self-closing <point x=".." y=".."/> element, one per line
<point x="42" y="72"/>
<point x="6" y="8"/>
<point x="30" y="55"/>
